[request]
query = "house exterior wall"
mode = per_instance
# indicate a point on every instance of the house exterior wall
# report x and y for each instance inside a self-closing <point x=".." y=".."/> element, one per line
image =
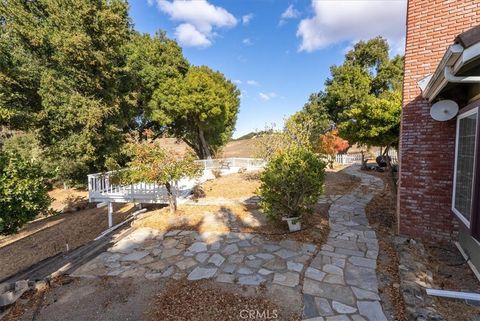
<point x="427" y="147"/>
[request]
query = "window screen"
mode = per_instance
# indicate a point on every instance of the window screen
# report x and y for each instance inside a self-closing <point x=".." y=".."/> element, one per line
<point x="465" y="157"/>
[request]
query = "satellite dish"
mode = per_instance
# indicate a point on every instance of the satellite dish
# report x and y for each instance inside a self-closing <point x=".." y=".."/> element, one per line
<point x="444" y="110"/>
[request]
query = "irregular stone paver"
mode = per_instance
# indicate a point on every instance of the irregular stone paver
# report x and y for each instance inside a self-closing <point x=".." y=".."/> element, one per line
<point x="341" y="281"/>
<point x="237" y="258"/>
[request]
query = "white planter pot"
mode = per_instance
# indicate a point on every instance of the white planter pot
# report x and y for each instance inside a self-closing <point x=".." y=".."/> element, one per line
<point x="294" y="223"/>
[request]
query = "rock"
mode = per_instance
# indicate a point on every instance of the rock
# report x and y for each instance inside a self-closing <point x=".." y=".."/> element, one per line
<point x="13" y="292"/>
<point x="364" y="294"/>
<point x="285" y="254"/>
<point x="290" y="279"/>
<point x="169" y="243"/>
<point x="251" y="280"/>
<point x="134" y="256"/>
<point x="244" y="270"/>
<point x="372" y="310"/>
<point x="40" y="286"/>
<point x="335" y="292"/>
<point x="332" y="269"/>
<point x="297" y="267"/>
<point x="168" y="272"/>
<point x="342" y="308"/>
<point x="309" y="307"/>
<point x="225" y="278"/>
<point x="186" y="263"/>
<point x="236" y="258"/>
<point x="364" y="278"/>
<point x="360" y="261"/>
<point x="201" y="273"/>
<point x="216" y="259"/>
<point x="323" y="307"/>
<point x="228" y="268"/>
<point x="270" y="247"/>
<point x="265" y="256"/>
<point x="357" y="317"/>
<point x="334" y="279"/>
<point x="230" y="249"/>
<point x="315" y="274"/>
<point x="197" y="247"/>
<point x="275" y="264"/>
<point x="202" y="257"/>
<point x="170" y="252"/>
<point x="264" y="272"/>
<point x="254" y="263"/>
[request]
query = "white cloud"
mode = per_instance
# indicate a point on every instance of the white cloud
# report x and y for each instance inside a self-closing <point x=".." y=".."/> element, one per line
<point x="267" y="96"/>
<point x="290" y="13"/>
<point x="237" y="81"/>
<point x="353" y="20"/>
<point x="253" y="83"/>
<point x="247" y="18"/>
<point x="188" y="35"/>
<point x="247" y="42"/>
<point x="199" y="18"/>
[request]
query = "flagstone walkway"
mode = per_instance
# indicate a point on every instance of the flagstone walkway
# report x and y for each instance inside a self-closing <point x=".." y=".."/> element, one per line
<point x="338" y="282"/>
<point x="341" y="282"/>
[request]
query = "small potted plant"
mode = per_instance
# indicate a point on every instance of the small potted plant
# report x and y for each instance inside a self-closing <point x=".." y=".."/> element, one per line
<point x="294" y="223"/>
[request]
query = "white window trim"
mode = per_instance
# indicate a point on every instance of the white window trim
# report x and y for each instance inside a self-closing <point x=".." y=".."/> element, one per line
<point x="454" y="210"/>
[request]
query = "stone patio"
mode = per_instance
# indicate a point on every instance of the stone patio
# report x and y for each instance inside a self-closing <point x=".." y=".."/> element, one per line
<point x="240" y="258"/>
<point x="338" y="283"/>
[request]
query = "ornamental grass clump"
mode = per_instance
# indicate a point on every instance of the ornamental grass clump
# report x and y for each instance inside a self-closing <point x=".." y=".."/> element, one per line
<point x="291" y="183"/>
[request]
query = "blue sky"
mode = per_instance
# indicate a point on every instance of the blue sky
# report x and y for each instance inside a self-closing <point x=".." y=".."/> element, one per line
<point x="278" y="52"/>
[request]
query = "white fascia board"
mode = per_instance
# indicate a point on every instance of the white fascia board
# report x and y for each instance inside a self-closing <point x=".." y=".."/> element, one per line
<point x="437" y="82"/>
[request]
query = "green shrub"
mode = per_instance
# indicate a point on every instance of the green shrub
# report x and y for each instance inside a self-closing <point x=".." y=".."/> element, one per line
<point x="27" y="147"/>
<point x="23" y="194"/>
<point x="291" y="183"/>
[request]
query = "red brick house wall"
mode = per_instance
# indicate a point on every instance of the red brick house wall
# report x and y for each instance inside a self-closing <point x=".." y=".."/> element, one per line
<point x="427" y="147"/>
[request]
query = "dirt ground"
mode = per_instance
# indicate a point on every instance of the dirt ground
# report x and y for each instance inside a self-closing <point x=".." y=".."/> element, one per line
<point x="246" y="217"/>
<point x="450" y="271"/>
<point x="381" y="213"/>
<point x="205" y="300"/>
<point x="47" y="237"/>
<point x="131" y="299"/>
<point x="80" y="299"/>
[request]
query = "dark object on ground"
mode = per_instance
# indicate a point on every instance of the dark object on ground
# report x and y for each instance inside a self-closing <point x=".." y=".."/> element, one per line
<point x="382" y="160"/>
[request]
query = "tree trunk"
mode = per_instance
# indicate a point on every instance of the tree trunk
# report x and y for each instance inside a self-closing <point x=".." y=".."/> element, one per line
<point x="172" y="198"/>
<point x="203" y="145"/>
<point x="364" y="162"/>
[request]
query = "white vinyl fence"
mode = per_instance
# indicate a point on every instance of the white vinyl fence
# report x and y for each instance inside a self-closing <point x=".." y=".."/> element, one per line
<point x="346" y="159"/>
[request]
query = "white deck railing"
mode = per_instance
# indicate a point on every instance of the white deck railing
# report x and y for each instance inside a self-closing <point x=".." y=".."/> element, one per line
<point x="103" y="188"/>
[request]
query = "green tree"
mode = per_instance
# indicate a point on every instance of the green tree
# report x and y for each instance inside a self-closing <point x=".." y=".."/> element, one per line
<point x="64" y="74"/>
<point x="363" y="94"/>
<point x="151" y="60"/>
<point x="291" y="183"/>
<point x="374" y="121"/>
<point x="153" y="164"/>
<point x="200" y="108"/>
<point x="23" y="193"/>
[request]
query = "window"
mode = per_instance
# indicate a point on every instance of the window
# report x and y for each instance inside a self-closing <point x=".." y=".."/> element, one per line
<point x="465" y="153"/>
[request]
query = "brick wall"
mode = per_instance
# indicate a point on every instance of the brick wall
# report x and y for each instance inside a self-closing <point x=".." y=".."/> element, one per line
<point x="426" y="146"/>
